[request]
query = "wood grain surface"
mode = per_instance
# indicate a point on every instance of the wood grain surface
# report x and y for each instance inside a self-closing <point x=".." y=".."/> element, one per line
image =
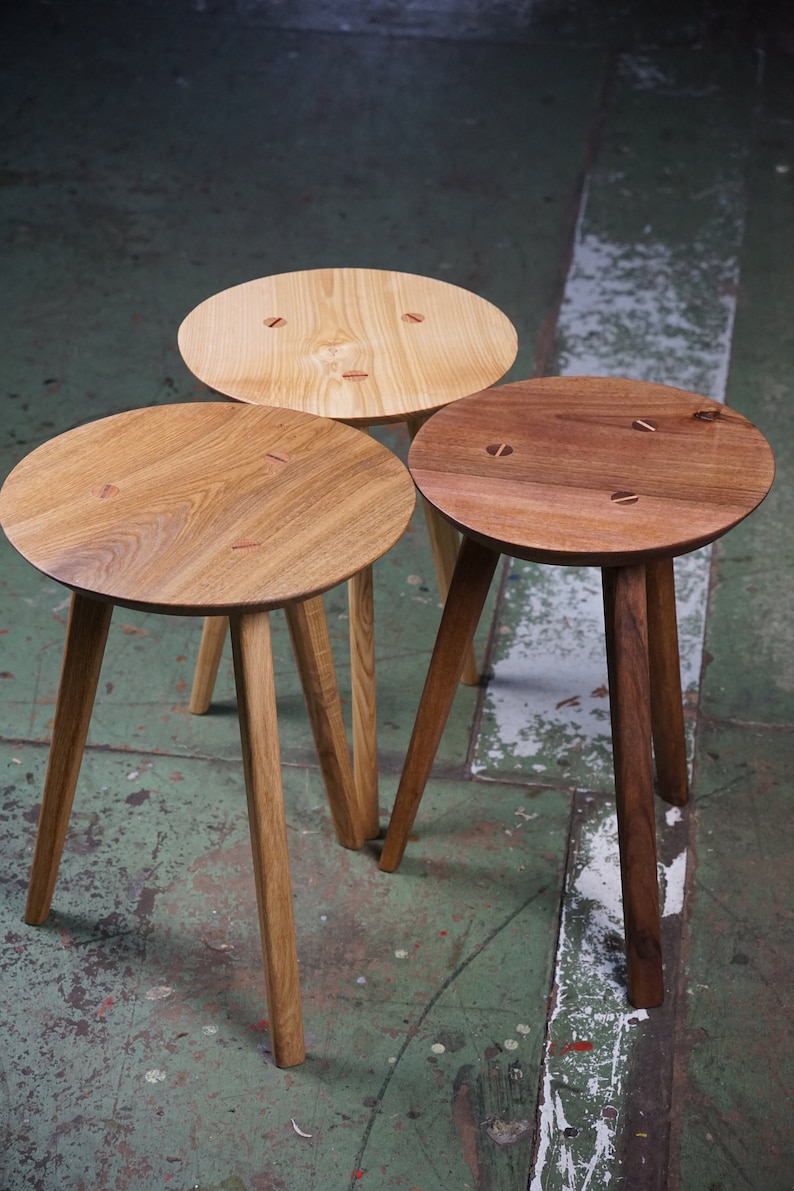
<point x="626" y="624"/>
<point x="256" y="707"/>
<point x="359" y="345"/>
<point x="86" y="636"/>
<point x="204" y="508"/>
<point x="591" y="471"/>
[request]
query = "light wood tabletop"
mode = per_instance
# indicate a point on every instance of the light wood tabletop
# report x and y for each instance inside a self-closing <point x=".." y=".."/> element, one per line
<point x="220" y="509"/>
<point x="206" y="508"/>
<point x="360" y="345"/>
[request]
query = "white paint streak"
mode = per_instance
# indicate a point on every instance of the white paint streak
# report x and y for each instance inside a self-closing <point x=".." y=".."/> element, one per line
<point x="656" y="311"/>
<point x="657" y="304"/>
<point x="674" y="885"/>
<point x="603" y="1150"/>
<point x="627" y="311"/>
<point x="591" y="1003"/>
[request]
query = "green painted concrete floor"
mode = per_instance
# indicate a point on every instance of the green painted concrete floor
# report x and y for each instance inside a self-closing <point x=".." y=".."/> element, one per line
<point x="621" y="183"/>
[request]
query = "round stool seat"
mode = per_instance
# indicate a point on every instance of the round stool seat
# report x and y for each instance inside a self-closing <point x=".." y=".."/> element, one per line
<point x="619" y="474"/>
<point x="361" y="346"/>
<point x="206" y="508"/>
<point x="593" y="471"/>
<point x="358" y="345"/>
<point x="219" y="509"/>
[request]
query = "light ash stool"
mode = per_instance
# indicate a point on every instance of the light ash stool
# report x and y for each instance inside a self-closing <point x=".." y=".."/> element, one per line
<point x="223" y="510"/>
<point x="362" y="346"/>
<point x="618" y="474"/>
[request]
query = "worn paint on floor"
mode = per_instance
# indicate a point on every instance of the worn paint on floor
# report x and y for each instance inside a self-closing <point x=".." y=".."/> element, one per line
<point x="651" y="292"/>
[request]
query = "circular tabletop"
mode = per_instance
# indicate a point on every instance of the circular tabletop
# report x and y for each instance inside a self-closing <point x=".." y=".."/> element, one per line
<point x="206" y="508"/>
<point x="358" y="345"/>
<point x="591" y="471"/>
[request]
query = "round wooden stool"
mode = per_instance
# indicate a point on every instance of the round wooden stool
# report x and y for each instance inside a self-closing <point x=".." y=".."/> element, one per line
<point x="618" y="474"/>
<point x="362" y="346"/>
<point x="219" y="509"/>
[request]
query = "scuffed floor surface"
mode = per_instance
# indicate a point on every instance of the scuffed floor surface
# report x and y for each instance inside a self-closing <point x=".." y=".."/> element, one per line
<point x="622" y="186"/>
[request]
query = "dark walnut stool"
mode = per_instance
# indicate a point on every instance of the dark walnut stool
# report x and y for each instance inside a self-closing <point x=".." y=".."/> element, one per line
<point x="202" y="510"/>
<point x="618" y="474"/>
<point x="365" y="347"/>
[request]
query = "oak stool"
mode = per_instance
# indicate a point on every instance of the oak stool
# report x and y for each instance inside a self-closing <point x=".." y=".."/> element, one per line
<point x="619" y="474"/>
<point x="362" y="346"/>
<point x="210" y="509"/>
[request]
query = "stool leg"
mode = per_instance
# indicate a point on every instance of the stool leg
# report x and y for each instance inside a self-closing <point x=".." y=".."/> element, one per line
<point x="213" y="636"/>
<point x="363" y="698"/>
<point x="311" y="644"/>
<point x="86" y="635"/>
<point x="445" y="543"/>
<point x="468" y="590"/>
<point x="256" y="705"/>
<point x="667" y="708"/>
<point x="629" y="700"/>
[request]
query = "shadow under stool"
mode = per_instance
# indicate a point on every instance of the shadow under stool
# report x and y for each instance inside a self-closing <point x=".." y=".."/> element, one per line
<point x="210" y="509"/>
<point x="364" y="347"/>
<point x="619" y="474"/>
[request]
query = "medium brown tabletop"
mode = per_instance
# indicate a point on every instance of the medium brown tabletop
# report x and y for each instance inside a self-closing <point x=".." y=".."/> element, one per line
<point x="602" y="472"/>
<point x="206" y="508"/>
<point x="619" y="474"/>
<point x="358" y="345"/>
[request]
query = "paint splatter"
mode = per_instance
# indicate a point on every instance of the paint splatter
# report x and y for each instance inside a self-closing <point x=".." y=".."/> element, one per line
<point x="155" y="1075"/>
<point x="105" y="1007"/>
<point x="581" y="1046"/>
<point x="674" y="875"/>
<point x="159" y="992"/>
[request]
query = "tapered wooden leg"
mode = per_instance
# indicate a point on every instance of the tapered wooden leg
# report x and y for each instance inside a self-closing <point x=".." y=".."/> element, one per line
<point x="667" y="708"/>
<point x="363" y="698"/>
<point x="86" y="635"/>
<point x="311" y="645"/>
<point x="256" y="706"/>
<point x="213" y="636"/>
<point x="629" y="700"/>
<point x="444" y="543"/>
<point x="468" y="590"/>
